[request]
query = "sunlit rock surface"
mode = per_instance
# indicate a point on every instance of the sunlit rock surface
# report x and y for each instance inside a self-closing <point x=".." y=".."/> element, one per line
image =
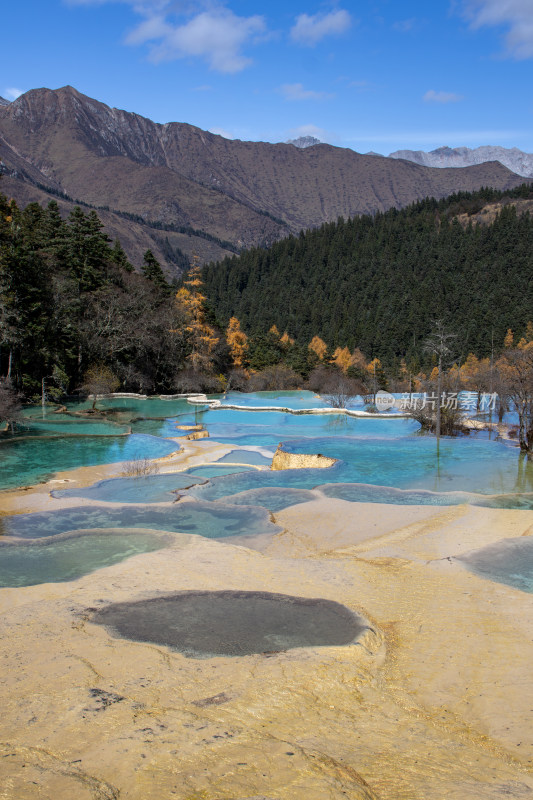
<point x="284" y="460"/>
<point x="431" y="705"/>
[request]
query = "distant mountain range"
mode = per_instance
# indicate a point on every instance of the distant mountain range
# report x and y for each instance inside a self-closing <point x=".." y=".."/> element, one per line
<point x="3" y="101"/>
<point x="516" y="160"/>
<point x="176" y="189"/>
<point x="304" y="141"/>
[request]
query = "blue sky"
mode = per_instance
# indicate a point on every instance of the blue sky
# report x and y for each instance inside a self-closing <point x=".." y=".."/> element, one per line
<point x="381" y="75"/>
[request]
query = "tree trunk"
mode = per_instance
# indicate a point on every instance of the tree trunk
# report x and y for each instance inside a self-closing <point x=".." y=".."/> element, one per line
<point x="522" y="429"/>
<point x="439" y="390"/>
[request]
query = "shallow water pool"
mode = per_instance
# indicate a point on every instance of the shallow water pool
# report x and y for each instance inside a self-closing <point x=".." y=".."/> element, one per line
<point x="24" y="462"/>
<point x="214" y="521"/>
<point x="233" y="623"/>
<point x="143" y="489"/>
<point x="71" y="557"/>
<point x="510" y="561"/>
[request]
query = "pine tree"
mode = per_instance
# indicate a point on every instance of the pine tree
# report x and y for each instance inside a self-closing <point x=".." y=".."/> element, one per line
<point x="119" y="257"/>
<point x="151" y="269"/>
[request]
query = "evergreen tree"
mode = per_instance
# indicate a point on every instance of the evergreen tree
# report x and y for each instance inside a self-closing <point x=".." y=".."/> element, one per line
<point x="151" y="269"/>
<point x="119" y="257"/>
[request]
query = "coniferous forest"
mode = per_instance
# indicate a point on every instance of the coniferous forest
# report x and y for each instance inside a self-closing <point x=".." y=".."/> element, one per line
<point x="70" y="301"/>
<point x="379" y="282"/>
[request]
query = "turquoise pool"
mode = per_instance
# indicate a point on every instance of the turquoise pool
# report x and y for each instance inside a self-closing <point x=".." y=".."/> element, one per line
<point x="151" y="488"/>
<point x="29" y="461"/>
<point x="71" y="557"/>
<point x="377" y="460"/>
<point x="370" y="451"/>
<point x="212" y="520"/>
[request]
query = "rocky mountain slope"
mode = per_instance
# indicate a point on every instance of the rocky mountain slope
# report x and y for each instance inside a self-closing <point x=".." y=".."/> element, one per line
<point x="514" y="159"/>
<point x="201" y="191"/>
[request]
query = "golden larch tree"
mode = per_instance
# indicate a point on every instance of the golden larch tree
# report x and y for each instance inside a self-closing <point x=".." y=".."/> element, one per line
<point x="318" y="347"/>
<point x="342" y="358"/>
<point x="286" y="341"/>
<point x="202" y="336"/>
<point x="237" y="342"/>
<point x="469" y="370"/>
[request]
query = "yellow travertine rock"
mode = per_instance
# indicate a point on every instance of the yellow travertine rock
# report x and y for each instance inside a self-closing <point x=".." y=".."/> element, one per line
<point x="434" y="703"/>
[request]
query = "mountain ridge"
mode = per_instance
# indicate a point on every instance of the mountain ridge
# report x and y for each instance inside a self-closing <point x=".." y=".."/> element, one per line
<point x="179" y="176"/>
<point x="514" y="159"/>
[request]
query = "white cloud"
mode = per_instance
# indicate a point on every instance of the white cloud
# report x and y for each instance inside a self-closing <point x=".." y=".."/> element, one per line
<point x="12" y="94"/>
<point x="296" y="91"/>
<point x="203" y="29"/>
<point x="442" y="97"/>
<point x="140" y="6"/>
<point x="155" y="27"/>
<point x="516" y="15"/>
<point x="216" y="36"/>
<point x="310" y="30"/>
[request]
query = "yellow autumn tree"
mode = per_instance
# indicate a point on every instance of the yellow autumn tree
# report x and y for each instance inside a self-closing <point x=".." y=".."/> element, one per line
<point x="286" y="341"/>
<point x="509" y="338"/>
<point x="274" y="331"/>
<point x="238" y="343"/>
<point x="318" y="347"/>
<point x="342" y="358"/>
<point x="469" y="370"/>
<point x="419" y="381"/>
<point x="374" y="366"/>
<point x="202" y="336"/>
<point x="358" y="359"/>
<point x="454" y="378"/>
<point x="434" y="375"/>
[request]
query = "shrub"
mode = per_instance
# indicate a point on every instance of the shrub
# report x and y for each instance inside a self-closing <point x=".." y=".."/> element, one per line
<point x="140" y="466"/>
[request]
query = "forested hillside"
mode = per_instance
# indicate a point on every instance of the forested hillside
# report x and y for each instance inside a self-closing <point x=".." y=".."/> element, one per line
<point x="379" y="282"/>
<point x="71" y="303"/>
